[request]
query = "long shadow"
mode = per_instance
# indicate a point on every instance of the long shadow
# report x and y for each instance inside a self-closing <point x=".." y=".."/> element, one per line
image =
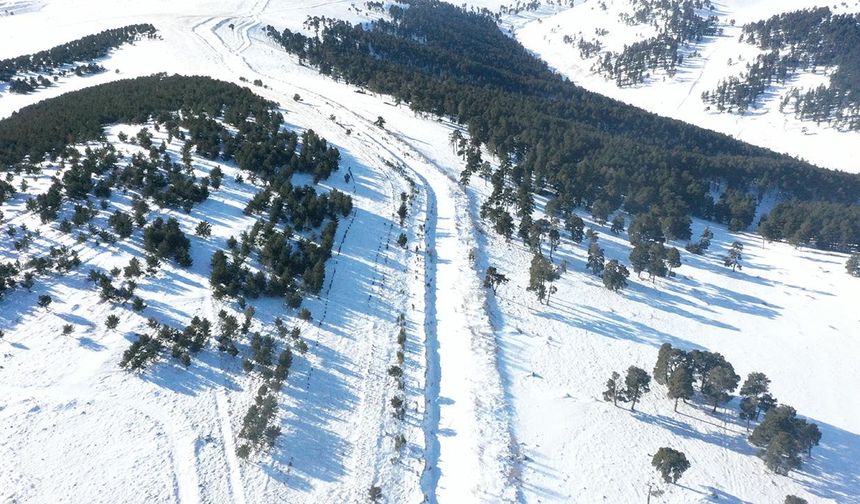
<point x="832" y="472"/>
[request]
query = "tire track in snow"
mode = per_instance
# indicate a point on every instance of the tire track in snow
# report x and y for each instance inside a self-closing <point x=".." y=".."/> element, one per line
<point x="237" y="487"/>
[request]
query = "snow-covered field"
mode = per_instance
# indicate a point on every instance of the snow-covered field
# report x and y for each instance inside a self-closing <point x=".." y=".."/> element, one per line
<point x="543" y="30"/>
<point x="502" y="393"/>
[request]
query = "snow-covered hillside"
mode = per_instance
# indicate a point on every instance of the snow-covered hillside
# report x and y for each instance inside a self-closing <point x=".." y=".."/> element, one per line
<point x="544" y="30"/>
<point x="501" y="393"/>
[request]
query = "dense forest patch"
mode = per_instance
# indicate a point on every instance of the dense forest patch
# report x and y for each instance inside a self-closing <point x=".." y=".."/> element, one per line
<point x="82" y="50"/>
<point x="794" y="41"/>
<point x="551" y="134"/>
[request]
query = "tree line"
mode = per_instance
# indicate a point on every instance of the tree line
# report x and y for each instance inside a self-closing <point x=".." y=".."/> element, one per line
<point x="548" y="133"/>
<point x="83" y="49"/>
<point x="803" y="39"/>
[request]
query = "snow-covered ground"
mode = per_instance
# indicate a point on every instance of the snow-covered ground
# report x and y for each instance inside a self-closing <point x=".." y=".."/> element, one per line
<point x="543" y="30"/>
<point x="502" y="394"/>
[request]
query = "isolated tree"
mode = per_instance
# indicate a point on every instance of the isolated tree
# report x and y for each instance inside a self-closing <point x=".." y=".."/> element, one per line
<point x="541" y="272"/>
<point x="492" y="278"/>
<point x="615" y="276"/>
<point x="203" y="229"/>
<point x="112" y="321"/>
<point x="595" y="259"/>
<point x="45" y="300"/>
<point x="793" y="499"/>
<point x="680" y="385"/>
<point x="575" y="226"/>
<point x="613" y="391"/>
<point x="637" y="383"/>
<point x="734" y="257"/>
<point x="671" y="464"/>
<point x="379" y="122"/>
<point x="720" y="381"/>
<point x="853" y="265"/>
<point x="617" y="224"/>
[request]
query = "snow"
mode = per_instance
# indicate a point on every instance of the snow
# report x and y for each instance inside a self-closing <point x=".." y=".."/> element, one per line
<point x="502" y="394"/>
<point x="542" y="31"/>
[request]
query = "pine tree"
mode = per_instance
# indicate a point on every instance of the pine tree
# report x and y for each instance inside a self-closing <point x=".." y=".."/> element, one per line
<point x="541" y="272"/>
<point x="661" y="371"/>
<point x="808" y="435"/>
<point x="853" y="265"/>
<point x="554" y="240"/>
<point x="719" y="382"/>
<point x="656" y="266"/>
<point x="793" y="499"/>
<point x="595" y="259"/>
<point x="639" y="258"/>
<point x="575" y="226"/>
<point x="748" y="409"/>
<point x="617" y="224"/>
<point x="671" y="464"/>
<point x="782" y="454"/>
<point x="673" y="259"/>
<point x="680" y="385"/>
<point x="637" y="383"/>
<point x="613" y="390"/>
<point x="734" y="257"/>
<point x="615" y="275"/>
<point x="493" y="279"/>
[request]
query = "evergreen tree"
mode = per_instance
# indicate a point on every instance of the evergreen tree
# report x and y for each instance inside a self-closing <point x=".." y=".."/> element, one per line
<point x="639" y="258"/>
<point x="575" y="226"/>
<point x="853" y="265"/>
<point x="719" y="381"/>
<point x="671" y="464"/>
<point x="554" y="240"/>
<point x="656" y="266"/>
<point x="661" y="372"/>
<point x="782" y="454"/>
<point x="45" y="300"/>
<point x="673" y="259"/>
<point x="492" y="278"/>
<point x="734" y="257"/>
<point x="808" y="436"/>
<point x="613" y="391"/>
<point x="637" y="383"/>
<point x="541" y="272"/>
<point x="680" y="385"/>
<point x="748" y="409"/>
<point x="617" y="224"/>
<point x="595" y="259"/>
<point x="793" y="499"/>
<point x="615" y="275"/>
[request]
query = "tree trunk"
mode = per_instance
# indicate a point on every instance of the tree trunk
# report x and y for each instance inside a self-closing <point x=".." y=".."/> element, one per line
<point x="633" y="404"/>
<point x="715" y="406"/>
<point x="676" y="405"/>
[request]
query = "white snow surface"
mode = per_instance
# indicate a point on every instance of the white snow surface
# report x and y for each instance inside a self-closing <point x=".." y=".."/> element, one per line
<point x="502" y="393"/>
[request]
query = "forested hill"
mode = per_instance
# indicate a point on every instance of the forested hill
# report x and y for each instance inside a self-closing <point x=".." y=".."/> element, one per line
<point x="588" y="148"/>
